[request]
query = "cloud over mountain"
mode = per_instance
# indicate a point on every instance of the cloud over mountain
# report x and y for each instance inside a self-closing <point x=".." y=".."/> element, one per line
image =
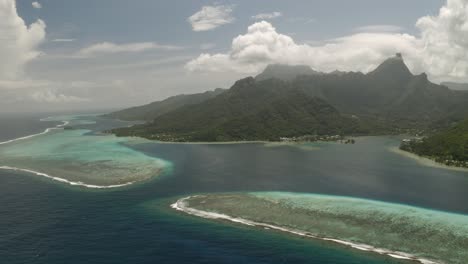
<point x="441" y="50"/>
<point x="262" y="45"/>
<point x="445" y="40"/>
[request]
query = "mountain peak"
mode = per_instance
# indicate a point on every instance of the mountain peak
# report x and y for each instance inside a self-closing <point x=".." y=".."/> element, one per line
<point x="393" y="67"/>
<point x="285" y="72"/>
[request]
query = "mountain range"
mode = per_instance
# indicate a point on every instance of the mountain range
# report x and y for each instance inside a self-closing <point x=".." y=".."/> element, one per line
<point x="290" y="101"/>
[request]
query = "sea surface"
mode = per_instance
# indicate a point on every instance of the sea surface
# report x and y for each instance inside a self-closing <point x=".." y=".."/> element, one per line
<point x="45" y="221"/>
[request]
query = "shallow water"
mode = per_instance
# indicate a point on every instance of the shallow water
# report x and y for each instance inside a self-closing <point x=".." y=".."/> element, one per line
<point x="393" y="229"/>
<point x="44" y="221"/>
<point x="79" y="156"/>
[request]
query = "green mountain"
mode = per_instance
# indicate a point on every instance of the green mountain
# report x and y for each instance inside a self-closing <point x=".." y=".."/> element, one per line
<point x="298" y="101"/>
<point x="390" y="93"/>
<point x="285" y="72"/>
<point x="250" y="110"/>
<point x="151" y="111"/>
<point x="449" y="147"/>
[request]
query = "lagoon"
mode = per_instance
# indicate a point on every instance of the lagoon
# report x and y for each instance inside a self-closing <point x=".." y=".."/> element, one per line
<point x="47" y="221"/>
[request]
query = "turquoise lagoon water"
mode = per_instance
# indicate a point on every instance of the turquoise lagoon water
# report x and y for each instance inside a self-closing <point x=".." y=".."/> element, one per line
<point x="424" y="233"/>
<point x="392" y="229"/>
<point x="44" y="221"/>
<point x="79" y="156"/>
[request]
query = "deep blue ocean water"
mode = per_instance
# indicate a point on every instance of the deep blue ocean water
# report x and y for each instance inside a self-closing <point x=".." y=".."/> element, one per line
<point x="48" y="222"/>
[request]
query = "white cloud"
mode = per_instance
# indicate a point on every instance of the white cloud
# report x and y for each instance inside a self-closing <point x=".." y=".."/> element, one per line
<point x="211" y="17"/>
<point x="36" y="5"/>
<point x="109" y="47"/>
<point x="53" y="96"/>
<point x="445" y="38"/>
<point x="271" y="15"/>
<point x="63" y="40"/>
<point x="441" y="50"/>
<point x="262" y="45"/>
<point x="379" y="28"/>
<point x="18" y="42"/>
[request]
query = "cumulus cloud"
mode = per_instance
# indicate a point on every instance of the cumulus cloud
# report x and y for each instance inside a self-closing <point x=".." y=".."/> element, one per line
<point x="262" y="45"/>
<point x="36" y="5"/>
<point x="211" y="17"/>
<point x="441" y="50"/>
<point x="18" y="42"/>
<point x="109" y="47"/>
<point x="445" y="39"/>
<point x="271" y="15"/>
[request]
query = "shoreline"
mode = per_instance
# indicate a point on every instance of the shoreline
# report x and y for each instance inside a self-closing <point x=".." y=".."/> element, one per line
<point x="54" y="178"/>
<point x="425" y="161"/>
<point x="206" y="143"/>
<point x="47" y="130"/>
<point x="62" y="180"/>
<point x="286" y="143"/>
<point x="181" y="205"/>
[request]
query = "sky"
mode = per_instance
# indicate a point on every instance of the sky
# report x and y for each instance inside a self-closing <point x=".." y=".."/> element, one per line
<point x="104" y="54"/>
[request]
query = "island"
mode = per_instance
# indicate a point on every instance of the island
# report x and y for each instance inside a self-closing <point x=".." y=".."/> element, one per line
<point x="294" y="102"/>
<point x="449" y="147"/>
<point x="398" y="231"/>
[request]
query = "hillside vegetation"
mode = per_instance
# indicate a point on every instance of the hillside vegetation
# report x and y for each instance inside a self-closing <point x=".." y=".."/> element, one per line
<point x="294" y="101"/>
<point x="449" y="147"/>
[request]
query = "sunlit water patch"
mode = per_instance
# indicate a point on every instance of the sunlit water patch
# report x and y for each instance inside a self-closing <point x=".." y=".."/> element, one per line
<point x="395" y="230"/>
<point x="78" y="157"/>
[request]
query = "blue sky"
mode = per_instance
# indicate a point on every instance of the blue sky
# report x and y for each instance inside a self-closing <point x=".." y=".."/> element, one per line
<point x="91" y="21"/>
<point x="80" y="52"/>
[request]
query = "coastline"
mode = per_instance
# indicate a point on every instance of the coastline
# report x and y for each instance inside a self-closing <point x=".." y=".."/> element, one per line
<point x="181" y="205"/>
<point x="55" y="178"/>
<point x="207" y="142"/>
<point x="62" y="180"/>
<point x="425" y="160"/>
<point x="265" y="142"/>
<point x="47" y="130"/>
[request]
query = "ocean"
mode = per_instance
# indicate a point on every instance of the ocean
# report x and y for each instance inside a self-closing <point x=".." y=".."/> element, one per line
<point x="45" y="221"/>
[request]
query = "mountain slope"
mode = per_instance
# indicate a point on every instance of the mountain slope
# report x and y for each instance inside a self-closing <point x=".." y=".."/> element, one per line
<point x="250" y="110"/>
<point x="284" y="72"/>
<point x="388" y="100"/>
<point x="151" y="111"/>
<point x="390" y="92"/>
<point x="449" y="146"/>
<point x="456" y="86"/>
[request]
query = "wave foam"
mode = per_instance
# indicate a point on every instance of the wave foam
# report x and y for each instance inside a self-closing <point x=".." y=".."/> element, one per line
<point x="181" y="205"/>
<point x="35" y="135"/>
<point x="82" y="184"/>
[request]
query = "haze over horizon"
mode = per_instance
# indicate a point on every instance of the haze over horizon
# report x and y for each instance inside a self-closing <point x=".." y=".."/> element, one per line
<point x="92" y="54"/>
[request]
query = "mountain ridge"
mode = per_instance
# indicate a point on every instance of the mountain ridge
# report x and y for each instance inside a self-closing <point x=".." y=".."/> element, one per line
<point x="250" y="110"/>
<point x="152" y="110"/>
<point x="387" y="100"/>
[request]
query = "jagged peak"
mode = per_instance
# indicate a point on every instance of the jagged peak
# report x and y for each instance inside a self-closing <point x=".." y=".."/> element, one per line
<point x="244" y="82"/>
<point x="393" y="67"/>
<point x="285" y="72"/>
